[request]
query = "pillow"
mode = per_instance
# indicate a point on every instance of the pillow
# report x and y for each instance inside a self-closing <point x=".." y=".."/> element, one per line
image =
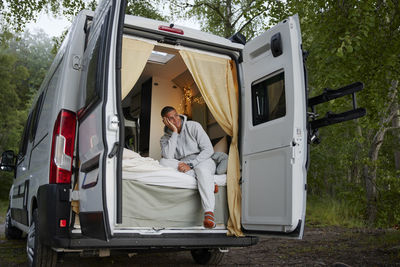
<point x="221" y="161"/>
<point x="222" y="145"/>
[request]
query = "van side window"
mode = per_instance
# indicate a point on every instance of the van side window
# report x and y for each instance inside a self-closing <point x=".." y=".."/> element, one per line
<point x="92" y="83"/>
<point x="35" y="117"/>
<point x="44" y="123"/>
<point x="24" y="138"/>
<point x="268" y="99"/>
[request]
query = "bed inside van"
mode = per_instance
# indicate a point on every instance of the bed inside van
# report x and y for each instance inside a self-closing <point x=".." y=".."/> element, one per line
<point x="155" y="75"/>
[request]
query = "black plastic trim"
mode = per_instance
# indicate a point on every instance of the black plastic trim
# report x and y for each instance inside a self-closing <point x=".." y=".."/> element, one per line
<point x="164" y="241"/>
<point x="53" y="205"/>
<point x="120" y="32"/>
<point x="20" y="215"/>
<point x="105" y="63"/>
<point x="91" y="164"/>
<point x="276" y="45"/>
<point x="294" y="234"/>
<point x="92" y="224"/>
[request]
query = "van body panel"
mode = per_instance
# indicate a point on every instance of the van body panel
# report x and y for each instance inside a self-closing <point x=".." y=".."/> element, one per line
<point x="98" y="128"/>
<point x="274" y="134"/>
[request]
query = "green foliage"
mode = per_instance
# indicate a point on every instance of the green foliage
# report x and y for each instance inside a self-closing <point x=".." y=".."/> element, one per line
<point x="145" y="8"/>
<point x="328" y="211"/>
<point x="24" y="61"/>
<point x="353" y="41"/>
<point x="18" y="13"/>
<point x="226" y="17"/>
<point x="389" y="204"/>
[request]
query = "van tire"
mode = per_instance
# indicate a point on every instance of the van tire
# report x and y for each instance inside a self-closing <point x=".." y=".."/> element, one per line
<point x="207" y="256"/>
<point x="38" y="254"/>
<point x="10" y="231"/>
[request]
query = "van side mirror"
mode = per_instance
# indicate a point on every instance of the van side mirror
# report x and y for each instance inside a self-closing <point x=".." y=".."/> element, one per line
<point x="7" y="162"/>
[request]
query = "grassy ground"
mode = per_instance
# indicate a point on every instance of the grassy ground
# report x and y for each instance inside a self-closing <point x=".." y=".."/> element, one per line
<point x="3" y="207"/>
<point x="330" y="212"/>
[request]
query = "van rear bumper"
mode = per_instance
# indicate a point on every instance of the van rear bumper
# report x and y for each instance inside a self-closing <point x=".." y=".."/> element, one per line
<point x="165" y="241"/>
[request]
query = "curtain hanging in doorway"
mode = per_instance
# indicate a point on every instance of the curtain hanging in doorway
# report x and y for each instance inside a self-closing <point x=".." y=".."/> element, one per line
<point x="135" y="55"/>
<point x="216" y="78"/>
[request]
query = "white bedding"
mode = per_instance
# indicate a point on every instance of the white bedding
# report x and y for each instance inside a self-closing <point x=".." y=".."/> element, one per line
<point x="149" y="171"/>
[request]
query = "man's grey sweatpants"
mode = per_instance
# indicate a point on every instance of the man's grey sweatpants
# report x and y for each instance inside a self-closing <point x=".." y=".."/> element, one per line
<point x="204" y="173"/>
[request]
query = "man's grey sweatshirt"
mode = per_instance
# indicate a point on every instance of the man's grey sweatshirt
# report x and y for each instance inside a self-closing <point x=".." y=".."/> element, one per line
<point x="191" y="145"/>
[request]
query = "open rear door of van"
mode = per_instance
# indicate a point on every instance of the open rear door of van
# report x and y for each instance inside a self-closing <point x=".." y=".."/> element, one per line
<point x="274" y="146"/>
<point x="99" y="129"/>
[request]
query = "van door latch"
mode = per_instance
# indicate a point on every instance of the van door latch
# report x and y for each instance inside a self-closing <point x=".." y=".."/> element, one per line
<point x="114" y="150"/>
<point x="76" y="62"/>
<point x="113" y="123"/>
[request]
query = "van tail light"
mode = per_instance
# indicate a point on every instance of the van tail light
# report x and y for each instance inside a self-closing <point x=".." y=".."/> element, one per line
<point x="62" y="148"/>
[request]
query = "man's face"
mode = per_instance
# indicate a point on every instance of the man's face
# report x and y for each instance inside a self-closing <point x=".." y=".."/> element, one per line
<point x="174" y="118"/>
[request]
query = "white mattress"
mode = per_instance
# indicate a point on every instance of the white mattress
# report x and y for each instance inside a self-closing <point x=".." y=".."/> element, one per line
<point x="149" y="171"/>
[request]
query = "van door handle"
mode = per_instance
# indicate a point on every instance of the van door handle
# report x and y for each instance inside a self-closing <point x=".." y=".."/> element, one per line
<point x="114" y="150"/>
<point x="91" y="164"/>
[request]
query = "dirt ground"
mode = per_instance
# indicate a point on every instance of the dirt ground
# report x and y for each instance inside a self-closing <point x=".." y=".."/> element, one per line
<point x="328" y="246"/>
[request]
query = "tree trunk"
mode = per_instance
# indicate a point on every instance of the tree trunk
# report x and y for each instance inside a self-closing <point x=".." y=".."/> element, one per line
<point x="369" y="173"/>
<point x="228" y="19"/>
<point x="396" y="124"/>
<point x="356" y="170"/>
<point x="370" y="169"/>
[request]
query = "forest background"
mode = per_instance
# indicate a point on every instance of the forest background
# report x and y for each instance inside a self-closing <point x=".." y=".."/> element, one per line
<point x="354" y="177"/>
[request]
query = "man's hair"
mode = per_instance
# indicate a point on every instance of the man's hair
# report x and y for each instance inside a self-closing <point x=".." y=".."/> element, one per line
<point x="165" y="110"/>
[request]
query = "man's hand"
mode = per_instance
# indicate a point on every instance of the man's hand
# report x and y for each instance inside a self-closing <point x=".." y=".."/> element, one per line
<point x="170" y="125"/>
<point x="183" y="167"/>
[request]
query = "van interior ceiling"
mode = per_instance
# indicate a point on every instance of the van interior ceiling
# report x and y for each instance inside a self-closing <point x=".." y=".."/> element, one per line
<point x="153" y="76"/>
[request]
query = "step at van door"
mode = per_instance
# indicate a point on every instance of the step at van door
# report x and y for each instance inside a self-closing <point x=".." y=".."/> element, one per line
<point x="98" y="120"/>
<point x="274" y="147"/>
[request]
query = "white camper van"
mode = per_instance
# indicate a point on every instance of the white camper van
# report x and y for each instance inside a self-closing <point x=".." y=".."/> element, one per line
<point x="79" y="180"/>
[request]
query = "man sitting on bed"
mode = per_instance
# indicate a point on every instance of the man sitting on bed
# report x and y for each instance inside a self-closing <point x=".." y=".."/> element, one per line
<point x="186" y="147"/>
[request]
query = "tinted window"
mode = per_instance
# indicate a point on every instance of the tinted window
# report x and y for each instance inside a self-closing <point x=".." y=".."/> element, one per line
<point x="92" y="83"/>
<point x="44" y="122"/>
<point x="35" y="117"/>
<point x="24" y="138"/>
<point x="268" y="99"/>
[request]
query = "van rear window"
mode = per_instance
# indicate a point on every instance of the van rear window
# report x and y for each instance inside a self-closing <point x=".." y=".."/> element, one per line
<point x="268" y="99"/>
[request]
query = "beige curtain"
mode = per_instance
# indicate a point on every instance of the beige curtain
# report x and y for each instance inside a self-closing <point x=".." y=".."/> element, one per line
<point x="275" y="91"/>
<point x="217" y="82"/>
<point x="135" y="54"/>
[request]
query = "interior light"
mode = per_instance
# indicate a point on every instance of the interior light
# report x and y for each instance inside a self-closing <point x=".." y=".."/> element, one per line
<point x="160" y="57"/>
<point x="159" y="53"/>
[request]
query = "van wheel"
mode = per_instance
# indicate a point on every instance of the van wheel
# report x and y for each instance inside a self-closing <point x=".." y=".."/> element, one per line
<point x="10" y="231"/>
<point x="38" y="254"/>
<point x="207" y="256"/>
